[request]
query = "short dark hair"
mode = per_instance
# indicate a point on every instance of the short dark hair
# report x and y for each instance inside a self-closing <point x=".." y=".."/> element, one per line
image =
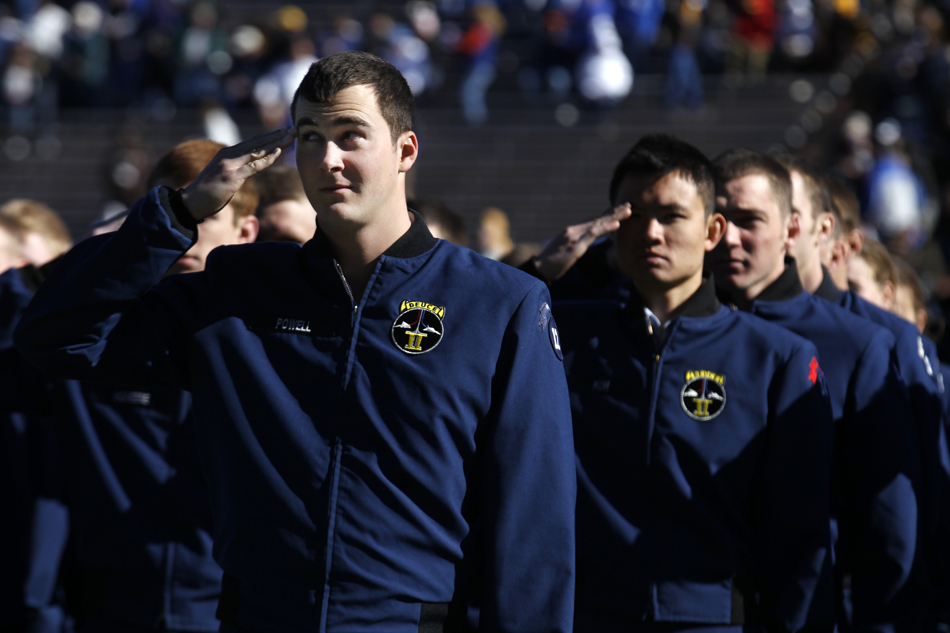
<point x="660" y="154"/>
<point x="340" y="71"/>
<point x="844" y="205"/>
<point x="278" y="183"/>
<point x="814" y="182"/>
<point x="736" y="163"/>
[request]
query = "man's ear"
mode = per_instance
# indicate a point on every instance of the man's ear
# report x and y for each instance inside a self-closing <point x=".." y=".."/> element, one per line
<point x="856" y="241"/>
<point x="889" y="293"/>
<point x="826" y="225"/>
<point x="248" y="228"/>
<point x="794" y="230"/>
<point x="408" y="150"/>
<point x="715" y="229"/>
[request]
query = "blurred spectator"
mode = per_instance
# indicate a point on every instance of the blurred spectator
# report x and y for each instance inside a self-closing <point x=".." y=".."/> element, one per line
<point x="43" y="235"/>
<point x="638" y="22"/>
<point x="203" y="57"/>
<point x="22" y="84"/>
<point x="86" y="59"/>
<point x="479" y="46"/>
<point x="400" y="46"/>
<point x="494" y="234"/>
<point x="10" y="256"/>
<point x="128" y="166"/>
<point x="753" y="37"/>
<point x="247" y="44"/>
<point x="274" y="91"/>
<point x="346" y="35"/>
<point x="684" y="81"/>
<point x="604" y="74"/>
<point x="443" y="223"/>
<point x="283" y="210"/>
<point x="896" y="196"/>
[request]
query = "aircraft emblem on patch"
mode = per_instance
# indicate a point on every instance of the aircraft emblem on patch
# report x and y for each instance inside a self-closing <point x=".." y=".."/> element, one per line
<point x="418" y="328"/>
<point x="704" y="394"/>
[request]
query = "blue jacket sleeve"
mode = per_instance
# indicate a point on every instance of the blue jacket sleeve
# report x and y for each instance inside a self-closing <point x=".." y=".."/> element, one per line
<point x="792" y="510"/>
<point x="880" y="476"/>
<point x="94" y="318"/>
<point x="528" y="481"/>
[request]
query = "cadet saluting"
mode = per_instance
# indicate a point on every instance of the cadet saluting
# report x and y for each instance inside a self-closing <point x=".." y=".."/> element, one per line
<point x="361" y="479"/>
<point x="702" y="468"/>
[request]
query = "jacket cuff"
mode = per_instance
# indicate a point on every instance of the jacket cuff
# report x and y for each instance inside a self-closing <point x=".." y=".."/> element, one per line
<point x="179" y="216"/>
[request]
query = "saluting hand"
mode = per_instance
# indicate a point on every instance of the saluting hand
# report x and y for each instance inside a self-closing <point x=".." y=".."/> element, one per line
<point x="569" y="245"/>
<point x="228" y="170"/>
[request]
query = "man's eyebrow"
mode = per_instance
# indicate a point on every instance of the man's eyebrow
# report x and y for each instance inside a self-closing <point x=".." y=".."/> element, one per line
<point x="343" y="120"/>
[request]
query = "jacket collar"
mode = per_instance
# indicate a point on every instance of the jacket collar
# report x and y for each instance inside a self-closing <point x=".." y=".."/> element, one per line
<point x="787" y="286"/>
<point x="828" y="290"/>
<point x="702" y="303"/>
<point x="416" y="241"/>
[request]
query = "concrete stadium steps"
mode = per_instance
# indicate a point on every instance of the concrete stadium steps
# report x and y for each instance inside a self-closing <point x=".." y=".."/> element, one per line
<point x="542" y="174"/>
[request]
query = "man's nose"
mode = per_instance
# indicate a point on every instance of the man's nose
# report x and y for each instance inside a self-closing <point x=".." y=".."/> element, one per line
<point x="332" y="158"/>
<point x="654" y="230"/>
<point x="731" y="236"/>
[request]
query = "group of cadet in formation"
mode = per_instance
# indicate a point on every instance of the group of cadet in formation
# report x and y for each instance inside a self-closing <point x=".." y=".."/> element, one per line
<point x="365" y="428"/>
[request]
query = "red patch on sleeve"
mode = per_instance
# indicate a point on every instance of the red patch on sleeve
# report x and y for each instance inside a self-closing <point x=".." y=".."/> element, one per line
<point x="813" y="370"/>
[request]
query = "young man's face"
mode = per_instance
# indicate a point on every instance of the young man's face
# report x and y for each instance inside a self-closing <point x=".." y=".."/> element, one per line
<point x="861" y="279"/>
<point x="664" y="241"/>
<point x="347" y="161"/>
<point x="291" y="220"/>
<point x="751" y="254"/>
<point x="217" y="230"/>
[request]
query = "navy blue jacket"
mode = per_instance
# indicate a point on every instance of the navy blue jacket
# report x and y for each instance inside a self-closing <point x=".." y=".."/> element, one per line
<point x="358" y="471"/>
<point x="703" y="467"/>
<point x="140" y="512"/>
<point x="35" y="521"/>
<point x="916" y="360"/>
<point x="876" y="471"/>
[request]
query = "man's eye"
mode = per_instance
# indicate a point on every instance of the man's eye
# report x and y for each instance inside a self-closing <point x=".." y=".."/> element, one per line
<point x="349" y="136"/>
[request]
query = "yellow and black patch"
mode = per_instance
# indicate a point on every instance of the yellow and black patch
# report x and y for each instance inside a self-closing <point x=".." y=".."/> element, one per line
<point x="438" y="311"/>
<point x="418" y="328"/>
<point x="704" y="394"/>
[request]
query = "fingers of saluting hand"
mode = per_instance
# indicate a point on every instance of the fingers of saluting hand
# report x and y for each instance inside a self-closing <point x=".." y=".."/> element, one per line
<point x="609" y="220"/>
<point x="261" y="151"/>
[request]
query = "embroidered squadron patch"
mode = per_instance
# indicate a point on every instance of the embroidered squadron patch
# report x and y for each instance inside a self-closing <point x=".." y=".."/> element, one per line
<point x="704" y="394"/>
<point x="418" y="328"/>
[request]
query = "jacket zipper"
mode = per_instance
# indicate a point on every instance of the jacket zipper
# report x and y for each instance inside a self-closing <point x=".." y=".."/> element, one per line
<point x="356" y="306"/>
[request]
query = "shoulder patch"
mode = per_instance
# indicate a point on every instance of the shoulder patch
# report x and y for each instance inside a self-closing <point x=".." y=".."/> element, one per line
<point x="704" y="395"/>
<point x="546" y="321"/>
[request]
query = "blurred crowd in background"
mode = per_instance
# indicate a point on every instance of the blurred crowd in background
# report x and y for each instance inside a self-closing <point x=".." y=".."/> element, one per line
<point x="883" y="126"/>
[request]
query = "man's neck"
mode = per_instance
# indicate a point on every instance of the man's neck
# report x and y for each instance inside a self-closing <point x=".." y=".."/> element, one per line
<point x="666" y="303"/>
<point x="357" y="251"/>
<point x="743" y="297"/>
<point x="811" y="274"/>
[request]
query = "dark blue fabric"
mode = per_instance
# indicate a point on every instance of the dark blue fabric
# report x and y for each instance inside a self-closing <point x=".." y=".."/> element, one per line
<point x="923" y="386"/>
<point x="349" y="481"/>
<point x="876" y="472"/>
<point x="141" y="516"/>
<point x="35" y="520"/>
<point x="672" y="511"/>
